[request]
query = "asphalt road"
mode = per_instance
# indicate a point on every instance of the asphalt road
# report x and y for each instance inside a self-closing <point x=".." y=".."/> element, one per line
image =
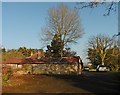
<point x="102" y="82"/>
<point x="94" y="82"/>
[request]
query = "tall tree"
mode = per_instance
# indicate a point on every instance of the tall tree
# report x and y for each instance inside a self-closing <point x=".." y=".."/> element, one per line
<point x="56" y="46"/>
<point x="112" y="58"/>
<point x="99" y="44"/>
<point x="93" y="56"/>
<point x="55" y="49"/>
<point x="65" y="22"/>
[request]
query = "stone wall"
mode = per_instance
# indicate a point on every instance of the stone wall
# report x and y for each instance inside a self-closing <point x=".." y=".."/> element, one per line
<point x="53" y="68"/>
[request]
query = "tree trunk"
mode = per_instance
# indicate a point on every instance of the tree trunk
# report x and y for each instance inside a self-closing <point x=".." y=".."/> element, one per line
<point x="103" y="54"/>
<point x="102" y="61"/>
<point x="61" y="52"/>
<point x="62" y="46"/>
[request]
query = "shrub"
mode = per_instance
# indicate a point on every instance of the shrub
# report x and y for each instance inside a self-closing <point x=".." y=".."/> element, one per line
<point x="6" y="74"/>
<point x="27" y="68"/>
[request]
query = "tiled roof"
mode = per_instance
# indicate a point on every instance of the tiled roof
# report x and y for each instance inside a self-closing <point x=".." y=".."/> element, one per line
<point x="13" y="61"/>
<point x="32" y="61"/>
<point x="24" y="61"/>
<point x="69" y="59"/>
<point x="36" y="55"/>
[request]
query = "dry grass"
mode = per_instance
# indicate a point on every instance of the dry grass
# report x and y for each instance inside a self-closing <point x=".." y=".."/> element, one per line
<point x="39" y="84"/>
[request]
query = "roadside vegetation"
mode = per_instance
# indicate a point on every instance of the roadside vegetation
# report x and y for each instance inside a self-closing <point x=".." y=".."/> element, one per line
<point x="6" y="74"/>
<point x="21" y="52"/>
<point x="104" y="50"/>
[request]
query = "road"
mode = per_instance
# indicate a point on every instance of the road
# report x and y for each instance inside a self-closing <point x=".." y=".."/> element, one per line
<point x="102" y="82"/>
<point x="95" y="82"/>
<point x="89" y="82"/>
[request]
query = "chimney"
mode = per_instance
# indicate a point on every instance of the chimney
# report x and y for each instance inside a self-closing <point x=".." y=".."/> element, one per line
<point x="39" y="54"/>
<point x="31" y="53"/>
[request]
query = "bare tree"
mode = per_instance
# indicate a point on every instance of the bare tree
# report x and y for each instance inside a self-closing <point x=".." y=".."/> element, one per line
<point x="100" y="44"/>
<point x="109" y="6"/>
<point x="63" y="22"/>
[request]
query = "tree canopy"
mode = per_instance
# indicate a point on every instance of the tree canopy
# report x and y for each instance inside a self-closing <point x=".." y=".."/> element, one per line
<point x="104" y="50"/>
<point x="65" y="23"/>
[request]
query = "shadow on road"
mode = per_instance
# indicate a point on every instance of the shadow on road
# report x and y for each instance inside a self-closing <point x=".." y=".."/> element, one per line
<point x="92" y="84"/>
